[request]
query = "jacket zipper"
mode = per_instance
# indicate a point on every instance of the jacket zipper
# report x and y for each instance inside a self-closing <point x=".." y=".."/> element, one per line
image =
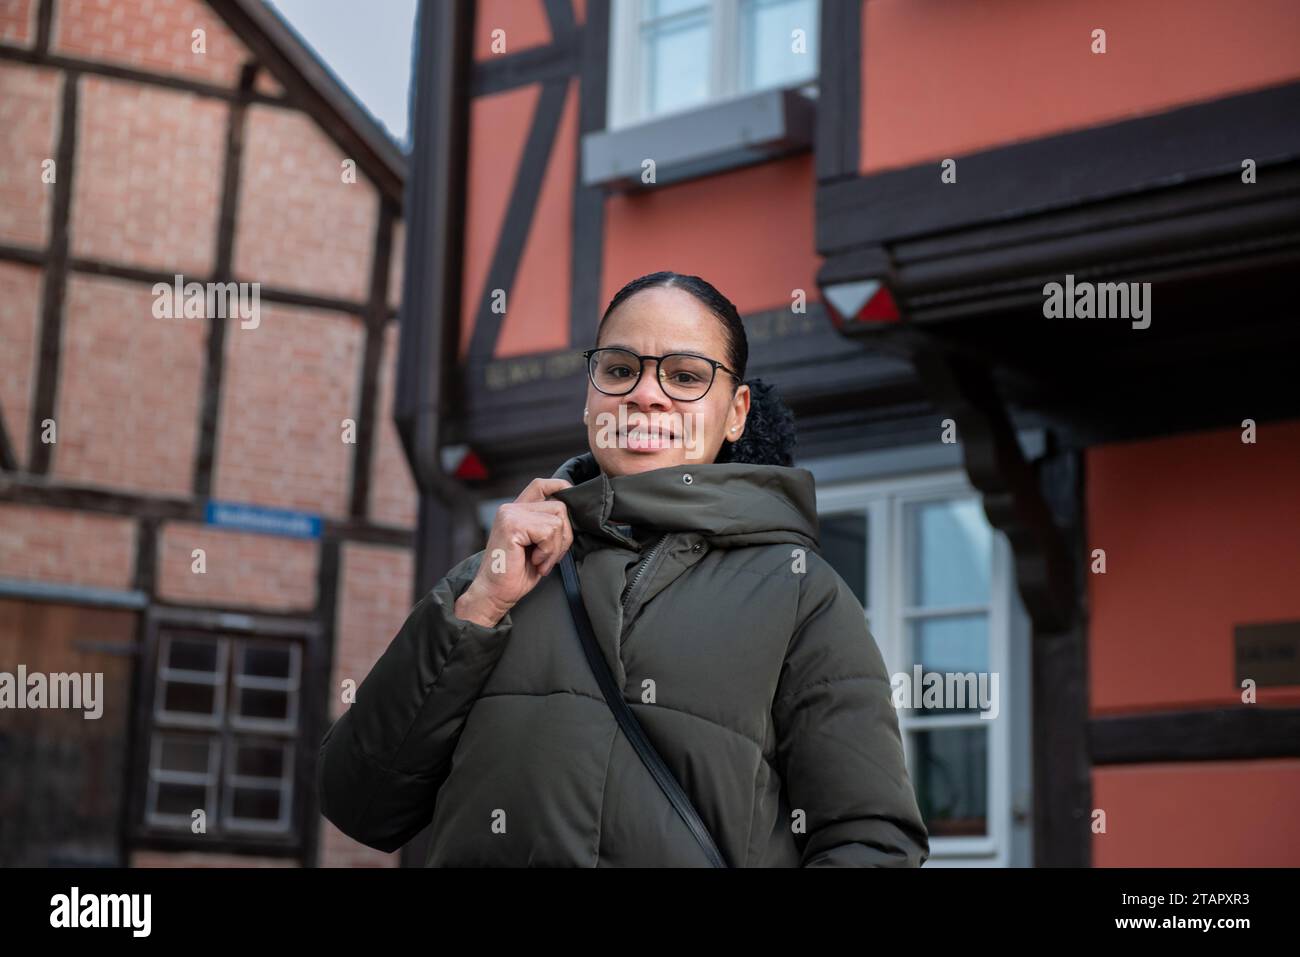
<point x="645" y="563"/>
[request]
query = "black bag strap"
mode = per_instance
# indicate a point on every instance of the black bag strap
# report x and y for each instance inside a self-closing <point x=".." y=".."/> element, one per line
<point x="627" y="720"/>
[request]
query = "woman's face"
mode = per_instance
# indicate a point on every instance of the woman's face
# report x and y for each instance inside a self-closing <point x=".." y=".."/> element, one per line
<point x="646" y="429"/>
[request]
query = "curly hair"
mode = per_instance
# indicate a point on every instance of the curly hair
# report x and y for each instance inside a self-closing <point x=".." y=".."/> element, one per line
<point x="769" y="436"/>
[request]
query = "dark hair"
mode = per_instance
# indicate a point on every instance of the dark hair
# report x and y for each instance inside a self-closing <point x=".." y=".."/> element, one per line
<point x="769" y="436"/>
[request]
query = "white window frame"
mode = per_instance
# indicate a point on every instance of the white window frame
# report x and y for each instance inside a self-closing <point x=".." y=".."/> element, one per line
<point x="884" y="502"/>
<point x="626" y="95"/>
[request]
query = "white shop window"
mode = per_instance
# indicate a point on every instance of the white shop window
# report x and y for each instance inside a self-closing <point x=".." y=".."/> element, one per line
<point x="937" y="584"/>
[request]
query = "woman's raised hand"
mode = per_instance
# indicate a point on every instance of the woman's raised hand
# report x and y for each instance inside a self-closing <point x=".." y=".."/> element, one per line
<point x="528" y="538"/>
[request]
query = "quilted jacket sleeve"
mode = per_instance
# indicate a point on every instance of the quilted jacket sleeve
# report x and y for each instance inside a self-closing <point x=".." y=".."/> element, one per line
<point x="838" y="743"/>
<point x="382" y="762"/>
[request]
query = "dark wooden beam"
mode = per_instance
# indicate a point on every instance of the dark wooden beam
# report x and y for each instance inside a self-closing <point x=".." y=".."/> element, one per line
<point x="34" y="491"/>
<point x="8" y="458"/>
<point x="1062" y="782"/>
<point x="23" y="254"/>
<point x="1010" y="491"/>
<point x="288" y="297"/>
<point x="839" y="90"/>
<point x="376" y="318"/>
<point x="114" y="71"/>
<point x="589" y="201"/>
<point x="1065" y="170"/>
<point x="1246" y="733"/>
<point x="145" y="576"/>
<point x="540" y="64"/>
<point x="214" y="367"/>
<point x="44" y="26"/>
<point x="45" y="400"/>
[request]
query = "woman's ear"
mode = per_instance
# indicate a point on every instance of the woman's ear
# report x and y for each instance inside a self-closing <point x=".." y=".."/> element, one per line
<point x="739" y="413"/>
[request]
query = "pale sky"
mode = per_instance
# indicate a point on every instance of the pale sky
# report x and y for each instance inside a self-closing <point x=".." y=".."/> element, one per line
<point x="367" y="45"/>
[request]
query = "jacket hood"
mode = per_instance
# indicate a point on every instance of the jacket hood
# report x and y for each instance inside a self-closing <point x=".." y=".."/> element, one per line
<point x="730" y="504"/>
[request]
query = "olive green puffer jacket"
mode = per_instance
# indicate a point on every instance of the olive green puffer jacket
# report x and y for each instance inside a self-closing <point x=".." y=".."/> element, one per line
<point x="744" y="656"/>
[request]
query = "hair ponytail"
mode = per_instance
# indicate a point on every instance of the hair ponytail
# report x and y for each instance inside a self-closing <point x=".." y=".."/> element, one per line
<point x="769" y="436"/>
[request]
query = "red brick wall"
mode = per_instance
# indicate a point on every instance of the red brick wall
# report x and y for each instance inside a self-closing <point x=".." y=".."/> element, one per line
<point x="393" y="495"/>
<point x="146" y="191"/>
<point x="265" y="83"/>
<point x="204" y="859"/>
<point x="289" y="384"/>
<point x="299" y="225"/>
<point x="242" y="568"/>
<point x="148" y="182"/>
<point x="152" y="35"/>
<point x="374" y="600"/>
<point x="129" y="389"/>
<point x="18" y="22"/>
<point x="60" y="545"/>
<point x="29" y="99"/>
<point x="20" y="306"/>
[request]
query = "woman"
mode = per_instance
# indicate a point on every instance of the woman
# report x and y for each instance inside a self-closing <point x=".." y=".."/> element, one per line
<point x="744" y="656"/>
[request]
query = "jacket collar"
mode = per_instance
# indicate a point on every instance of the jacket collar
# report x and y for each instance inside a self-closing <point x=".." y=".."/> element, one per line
<point x="729" y="505"/>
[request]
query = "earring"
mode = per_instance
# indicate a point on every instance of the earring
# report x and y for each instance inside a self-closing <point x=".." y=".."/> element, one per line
<point x="584" y="416"/>
<point x="734" y="427"/>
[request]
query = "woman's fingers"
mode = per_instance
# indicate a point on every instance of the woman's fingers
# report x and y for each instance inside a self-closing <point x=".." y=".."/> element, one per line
<point x="535" y="533"/>
<point x="562" y="537"/>
<point x="539" y="488"/>
<point x="545" y="531"/>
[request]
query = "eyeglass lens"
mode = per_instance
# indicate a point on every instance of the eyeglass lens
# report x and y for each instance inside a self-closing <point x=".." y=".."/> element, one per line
<point x="683" y="377"/>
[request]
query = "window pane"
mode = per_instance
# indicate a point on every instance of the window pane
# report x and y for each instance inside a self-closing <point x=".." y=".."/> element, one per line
<point x="256" y="804"/>
<point x="185" y="753"/>
<point x="265" y="660"/>
<point x="263" y="704"/>
<point x="952" y="648"/>
<point x="950" y="547"/>
<point x="844" y="546"/>
<point x="260" y="760"/>
<point x="676" y="64"/>
<point x="767" y="37"/>
<point x="181" y="799"/>
<point x="654" y="9"/>
<point x="191" y="654"/>
<point x="957" y="643"/>
<point x="951" y="778"/>
<point x="184" y="697"/>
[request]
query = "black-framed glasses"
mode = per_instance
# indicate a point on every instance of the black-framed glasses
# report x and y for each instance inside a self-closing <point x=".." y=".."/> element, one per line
<point x="683" y="376"/>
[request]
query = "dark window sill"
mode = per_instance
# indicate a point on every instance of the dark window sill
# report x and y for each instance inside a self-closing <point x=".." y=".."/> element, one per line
<point x="146" y="838"/>
<point x="715" y="138"/>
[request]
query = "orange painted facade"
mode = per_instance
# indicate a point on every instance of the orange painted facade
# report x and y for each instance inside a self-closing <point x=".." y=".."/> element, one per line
<point x="1203" y="814"/>
<point x="942" y="79"/>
